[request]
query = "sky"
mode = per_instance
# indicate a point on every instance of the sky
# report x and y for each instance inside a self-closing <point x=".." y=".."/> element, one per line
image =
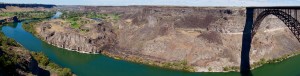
<point x="164" y="2"/>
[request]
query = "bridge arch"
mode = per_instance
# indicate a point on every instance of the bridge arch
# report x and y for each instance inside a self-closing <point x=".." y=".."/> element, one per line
<point x="252" y="25"/>
<point x="291" y="22"/>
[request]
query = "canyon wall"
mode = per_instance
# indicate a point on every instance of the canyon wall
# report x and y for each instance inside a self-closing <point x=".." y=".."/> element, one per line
<point x="207" y="38"/>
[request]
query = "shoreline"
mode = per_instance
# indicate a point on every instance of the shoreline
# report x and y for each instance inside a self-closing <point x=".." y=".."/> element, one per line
<point x="139" y="60"/>
<point x="127" y="57"/>
<point x="131" y="58"/>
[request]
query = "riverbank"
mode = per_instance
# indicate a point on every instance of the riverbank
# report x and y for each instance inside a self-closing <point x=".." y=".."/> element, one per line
<point x="15" y="60"/>
<point x="168" y="35"/>
<point x="20" y="59"/>
<point x="262" y="62"/>
<point x="174" y="44"/>
<point x="102" y="65"/>
<point x="143" y="36"/>
<point x="177" y="65"/>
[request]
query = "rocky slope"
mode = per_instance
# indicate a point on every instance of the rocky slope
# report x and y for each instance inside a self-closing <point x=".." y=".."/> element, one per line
<point x="15" y="60"/>
<point x="207" y="38"/>
<point x="57" y="32"/>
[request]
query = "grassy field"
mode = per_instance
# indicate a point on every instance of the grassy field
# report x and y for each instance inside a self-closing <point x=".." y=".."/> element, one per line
<point x="77" y="19"/>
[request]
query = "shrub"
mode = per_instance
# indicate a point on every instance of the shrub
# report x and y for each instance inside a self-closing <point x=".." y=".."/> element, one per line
<point x="65" y="72"/>
<point x="44" y="61"/>
<point x="179" y="65"/>
<point x="53" y="66"/>
<point x="30" y="27"/>
<point x="209" y="69"/>
<point x="226" y="68"/>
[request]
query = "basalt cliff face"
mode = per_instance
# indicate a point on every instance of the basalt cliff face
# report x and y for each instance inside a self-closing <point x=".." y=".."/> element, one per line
<point x="56" y="32"/>
<point x="207" y="38"/>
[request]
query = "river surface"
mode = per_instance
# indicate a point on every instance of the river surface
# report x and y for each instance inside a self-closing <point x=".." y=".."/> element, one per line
<point x="99" y="65"/>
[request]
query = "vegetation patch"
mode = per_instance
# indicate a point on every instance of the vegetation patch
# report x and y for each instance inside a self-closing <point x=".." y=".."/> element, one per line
<point x="261" y="62"/>
<point x="44" y="62"/>
<point x="10" y="59"/>
<point x="271" y="61"/>
<point x="28" y="15"/>
<point x="30" y="26"/>
<point x="6" y="14"/>
<point x="232" y="68"/>
<point x="7" y="64"/>
<point x="77" y="19"/>
<point x="177" y="65"/>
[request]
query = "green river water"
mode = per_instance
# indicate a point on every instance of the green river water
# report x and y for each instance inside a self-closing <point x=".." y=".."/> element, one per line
<point x="99" y="65"/>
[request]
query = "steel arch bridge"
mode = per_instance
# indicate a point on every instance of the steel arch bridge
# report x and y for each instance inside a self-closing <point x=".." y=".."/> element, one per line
<point x="254" y="17"/>
<point x="288" y="16"/>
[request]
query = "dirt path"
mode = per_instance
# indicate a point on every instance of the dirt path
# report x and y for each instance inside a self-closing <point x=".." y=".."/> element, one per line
<point x="268" y="30"/>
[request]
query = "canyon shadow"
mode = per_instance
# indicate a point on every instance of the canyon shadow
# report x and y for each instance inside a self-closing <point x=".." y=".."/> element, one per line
<point x="246" y="44"/>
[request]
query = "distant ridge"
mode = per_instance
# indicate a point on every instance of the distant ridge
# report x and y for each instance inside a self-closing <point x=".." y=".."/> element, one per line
<point x="3" y="5"/>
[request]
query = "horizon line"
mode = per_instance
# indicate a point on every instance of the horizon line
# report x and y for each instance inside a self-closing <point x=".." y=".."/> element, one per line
<point x="162" y="5"/>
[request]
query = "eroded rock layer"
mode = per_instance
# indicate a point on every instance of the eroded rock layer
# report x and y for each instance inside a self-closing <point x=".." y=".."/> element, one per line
<point x="209" y="39"/>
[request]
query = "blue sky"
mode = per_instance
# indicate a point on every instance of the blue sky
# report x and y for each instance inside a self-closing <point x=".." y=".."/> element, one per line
<point x="164" y="2"/>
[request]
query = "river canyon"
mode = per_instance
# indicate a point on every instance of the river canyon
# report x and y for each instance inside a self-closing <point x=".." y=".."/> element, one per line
<point x="206" y="41"/>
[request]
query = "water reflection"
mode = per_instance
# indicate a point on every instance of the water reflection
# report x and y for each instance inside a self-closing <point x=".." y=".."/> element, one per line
<point x="56" y="15"/>
<point x="72" y="58"/>
<point x="246" y="73"/>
